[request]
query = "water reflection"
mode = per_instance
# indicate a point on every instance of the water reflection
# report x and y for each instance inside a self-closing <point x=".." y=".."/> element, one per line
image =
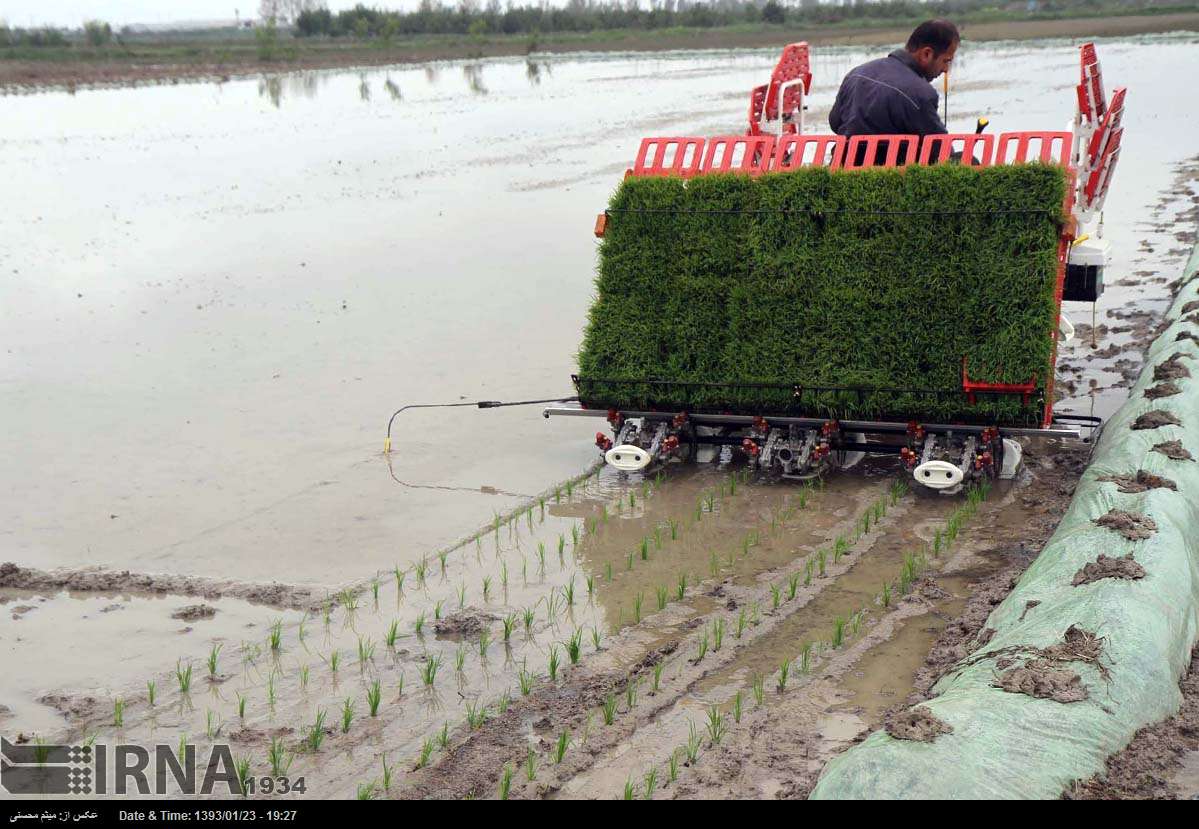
<point x="393" y="89"/>
<point x="534" y="70"/>
<point x="364" y="88"/>
<point x="277" y="87"/>
<point x="474" y="78"/>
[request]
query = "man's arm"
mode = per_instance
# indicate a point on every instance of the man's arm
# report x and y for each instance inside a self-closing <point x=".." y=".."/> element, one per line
<point x="835" y="117"/>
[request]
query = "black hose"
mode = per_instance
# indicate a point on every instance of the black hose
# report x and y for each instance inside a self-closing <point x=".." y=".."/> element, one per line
<point x="478" y="404"/>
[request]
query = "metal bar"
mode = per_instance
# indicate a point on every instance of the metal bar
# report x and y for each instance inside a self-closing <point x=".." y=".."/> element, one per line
<point x="846" y="425"/>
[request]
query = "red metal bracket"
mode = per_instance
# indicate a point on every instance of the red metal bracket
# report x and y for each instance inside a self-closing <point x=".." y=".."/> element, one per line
<point x="1090" y="88"/>
<point x="969" y="386"/>
<point x="1052" y="147"/>
<point x="896" y="150"/>
<point x="742" y="153"/>
<point x="792" y="152"/>
<point x="936" y="148"/>
<point x="669" y="156"/>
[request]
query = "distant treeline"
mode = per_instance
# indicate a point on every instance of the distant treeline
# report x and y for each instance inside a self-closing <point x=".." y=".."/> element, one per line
<point x="590" y="15"/>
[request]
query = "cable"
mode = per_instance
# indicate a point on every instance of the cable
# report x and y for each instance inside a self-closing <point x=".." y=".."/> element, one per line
<point x="478" y="404"/>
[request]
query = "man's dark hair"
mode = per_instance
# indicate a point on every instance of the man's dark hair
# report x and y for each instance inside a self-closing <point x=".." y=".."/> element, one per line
<point x="939" y="34"/>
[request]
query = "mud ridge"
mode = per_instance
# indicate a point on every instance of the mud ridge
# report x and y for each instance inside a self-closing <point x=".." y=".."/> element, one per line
<point x="97" y="579"/>
<point x="1141" y="482"/>
<point x="917" y="724"/>
<point x="1154" y="420"/>
<point x="1174" y="450"/>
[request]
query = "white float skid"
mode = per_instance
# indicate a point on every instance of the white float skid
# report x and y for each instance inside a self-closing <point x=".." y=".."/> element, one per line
<point x="940" y="457"/>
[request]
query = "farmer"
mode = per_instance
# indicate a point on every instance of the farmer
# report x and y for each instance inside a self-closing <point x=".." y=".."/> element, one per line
<point x="894" y="95"/>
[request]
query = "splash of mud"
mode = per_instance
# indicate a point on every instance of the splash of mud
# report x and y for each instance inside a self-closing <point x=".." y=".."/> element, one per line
<point x="1167" y="389"/>
<point x="1155" y="419"/>
<point x="1043" y="679"/>
<point x="1174" y="450"/>
<point x="1109" y="568"/>
<point x="917" y="724"/>
<point x="1132" y="525"/>
<point x="1141" y="482"/>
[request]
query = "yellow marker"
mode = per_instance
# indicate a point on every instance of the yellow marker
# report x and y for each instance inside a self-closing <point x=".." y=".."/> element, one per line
<point x="1080" y="239"/>
<point x="387" y="446"/>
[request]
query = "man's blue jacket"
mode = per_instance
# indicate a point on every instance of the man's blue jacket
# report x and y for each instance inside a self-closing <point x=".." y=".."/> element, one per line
<point x="887" y="96"/>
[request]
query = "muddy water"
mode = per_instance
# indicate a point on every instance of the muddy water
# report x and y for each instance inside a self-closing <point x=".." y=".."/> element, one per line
<point x="213" y="309"/>
<point x="214" y="295"/>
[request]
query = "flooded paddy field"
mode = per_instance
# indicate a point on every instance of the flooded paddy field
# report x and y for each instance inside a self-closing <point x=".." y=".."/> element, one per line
<point x="214" y="295"/>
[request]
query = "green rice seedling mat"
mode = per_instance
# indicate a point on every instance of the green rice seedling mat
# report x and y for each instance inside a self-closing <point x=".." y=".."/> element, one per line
<point x="828" y="293"/>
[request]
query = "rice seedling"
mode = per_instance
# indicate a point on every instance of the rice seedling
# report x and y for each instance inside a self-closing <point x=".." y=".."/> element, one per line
<point x="303" y="676"/>
<point x="327" y="612"/>
<point x="937" y="543"/>
<point x="630" y="694"/>
<point x="643" y="548"/>
<point x="609" y="708"/>
<point x="300" y="630"/>
<point x="638" y="600"/>
<point x="281" y="759"/>
<point x="663" y="596"/>
<point x="366" y="650"/>
<point x="509" y="622"/>
<point x="699" y="512"/>
<point x="775" y="596"/>
<point x="553" y="663"/>
<point x="241" y="705"/>
<point x="730" y="559"/>
<point x="840" y="548"/>
<point x="561" y="746"/>
<point x="275" y="638"/>
<point x="701" y="649"/>
<point x="597" y="636"/>
<point x="525" y="680"/>
<point x="551" y="608"/>
<point x="418" y="625"/>
<point x="504" y="575"/>
<point x="885" y="596"/>
<point x="118" y="712"/>
<point x="628" y="561"/>
<point x="574" y="646"/>
<point x="528" y="617"/>
<point x="242" y="767"/>
<point x="692" y="746"/>
<point x="630" y="792"/>
<point x="674" y="529"/>
<point x="821" y="560"/>
<point x="574" y="535"/>
<point x="784" y="671"/>
<point x="741" y="619"/>
<point x="658" y="675"/>
<point x="745" y="546"/>
<point x="426" y="752"/>
<point x="429" y="671"/>
<point x="651" y="783"/>
<point x="809" y="567"/>
<point x="421" y="569"/>
<point x="505" y="700"/>
<point x="608" y="571"/>
<point x="838" y="632"/>
<point x="568" y="592"/>
<point x="805" y="658"/>
<point x="475" y="714"/>
<point x="270" y="690"/>
<point x="386" y="775"/>
<point x="855" y="622"/>
<point x="604" y="513"/>
<point x="460" y="659"/>
<point x="151" y="691"/>
<point x="590" y="586"/>
<point x="374" y="695"/>
<point x="530" y="764"/>
<point x="347" y="714"/>
<point x="486" y="588"/>
<point x="657" y="538"/>
<point x="184" y="677"/>
<point x="334" y="661"/>
<point x="672" y="766"/>
<point x="681" y="587"/>
<point x="349" y="599"/>
<point x="443" y="736"/>
<point x="316" y="732"/>
<point x="181" y="749"/>
<point x="717" y="634"/>
<point x="717" y="725"/>
<point x="484" y="642"/>
<point x="590" y="526"/>
<point x="505" y="781"/>
<point x="529" y="518"/>
<point x="375" y="584"/>
<point x="759" y="688"/>
<point x="400" y="574"/>
<point x="756" y="613"/>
